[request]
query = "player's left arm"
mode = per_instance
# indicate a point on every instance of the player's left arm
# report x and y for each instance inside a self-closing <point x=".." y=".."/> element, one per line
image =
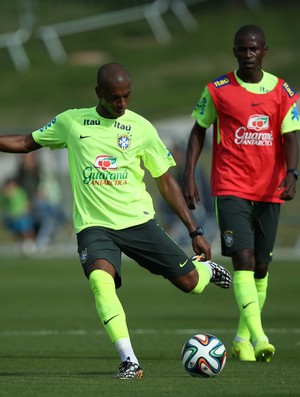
<point x="289" y="128"/>
<point x="171" y="192"/>
<point x="291" y="151"/>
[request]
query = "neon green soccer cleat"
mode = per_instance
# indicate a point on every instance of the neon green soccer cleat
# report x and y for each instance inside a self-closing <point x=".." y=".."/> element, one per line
<point x="264" y="351"/>
<point x="243" y="350"/>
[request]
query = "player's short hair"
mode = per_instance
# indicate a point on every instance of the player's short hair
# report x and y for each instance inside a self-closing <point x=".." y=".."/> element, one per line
<point x="250" y="29"/>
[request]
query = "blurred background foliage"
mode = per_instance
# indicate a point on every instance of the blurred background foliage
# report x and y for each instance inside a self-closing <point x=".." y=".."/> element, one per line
<point x="167" y="78"/>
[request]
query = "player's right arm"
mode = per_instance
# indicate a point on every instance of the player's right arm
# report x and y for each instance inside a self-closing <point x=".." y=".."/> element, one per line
<point x="205" y="114"/>
<point x="194" y="148"/>
<point x="18" y="143"/>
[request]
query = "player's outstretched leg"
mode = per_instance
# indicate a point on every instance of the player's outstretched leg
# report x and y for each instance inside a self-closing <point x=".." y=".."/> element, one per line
<point x="220" y="276"/>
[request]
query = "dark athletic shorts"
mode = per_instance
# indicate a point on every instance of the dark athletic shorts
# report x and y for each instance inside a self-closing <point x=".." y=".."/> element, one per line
<point x="247" y="224"/>
<point x="148" y="244"/>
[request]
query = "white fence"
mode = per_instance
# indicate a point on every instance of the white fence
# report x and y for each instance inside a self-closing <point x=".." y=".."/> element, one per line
<point x="17" y="23"/>
<point x="50" y="20"/>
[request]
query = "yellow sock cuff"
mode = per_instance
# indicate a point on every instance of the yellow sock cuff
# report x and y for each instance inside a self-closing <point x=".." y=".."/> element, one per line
<point x="204" y="277"/>
<point x="262" y="283"/>
<point x="243" y="276"/>
<point x="98" y="277"/>
<point x="261" y="287"/>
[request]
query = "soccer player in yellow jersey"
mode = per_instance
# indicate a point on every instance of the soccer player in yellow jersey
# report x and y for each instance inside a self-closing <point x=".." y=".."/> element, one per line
<point x="113" y="212"/>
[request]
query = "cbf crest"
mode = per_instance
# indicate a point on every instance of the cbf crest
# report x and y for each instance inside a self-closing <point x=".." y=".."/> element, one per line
<point x="124" y="141"/>
<point x="228" y="238"/>
<point x="83" y="256"/>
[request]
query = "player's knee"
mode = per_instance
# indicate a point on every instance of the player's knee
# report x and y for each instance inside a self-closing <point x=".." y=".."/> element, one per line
<point x="243" y="259"/>
<point x="100" y="264"/>
<point x="261" y="270"/>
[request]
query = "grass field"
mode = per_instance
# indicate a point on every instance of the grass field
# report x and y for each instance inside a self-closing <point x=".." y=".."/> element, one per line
<point x="52" y="345"/>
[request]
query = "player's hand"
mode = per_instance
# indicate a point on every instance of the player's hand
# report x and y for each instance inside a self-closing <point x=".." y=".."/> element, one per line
<point x="288" y="187"/>
<point x="202" y="246"/>
<point x="191" y="194"/>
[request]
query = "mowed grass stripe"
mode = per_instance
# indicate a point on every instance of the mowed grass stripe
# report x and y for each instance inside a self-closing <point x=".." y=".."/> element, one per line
<point x="83" y="332"/>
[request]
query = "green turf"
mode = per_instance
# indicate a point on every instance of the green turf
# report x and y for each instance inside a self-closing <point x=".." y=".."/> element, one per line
<point x="51" y="343"/>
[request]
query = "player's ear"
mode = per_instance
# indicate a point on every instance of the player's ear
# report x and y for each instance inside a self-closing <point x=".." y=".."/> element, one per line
<point x="97" y="90"/>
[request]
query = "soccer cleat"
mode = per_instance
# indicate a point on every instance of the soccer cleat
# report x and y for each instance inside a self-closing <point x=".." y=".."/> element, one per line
<point x="263" y="350"/>
<point x="129" y="370"/>
<point x="243" y="350"/>
<point x="220" y="276"/>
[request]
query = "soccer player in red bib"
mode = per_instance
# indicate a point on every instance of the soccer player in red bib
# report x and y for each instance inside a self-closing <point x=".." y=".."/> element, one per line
<point x="254" y="169"/>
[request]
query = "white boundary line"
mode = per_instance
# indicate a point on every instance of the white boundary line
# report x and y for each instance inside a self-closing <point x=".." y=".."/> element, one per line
<point x="138" y="331"/>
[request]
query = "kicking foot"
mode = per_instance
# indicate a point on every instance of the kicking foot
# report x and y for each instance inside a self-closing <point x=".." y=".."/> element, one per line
<point x="220" y="276"/>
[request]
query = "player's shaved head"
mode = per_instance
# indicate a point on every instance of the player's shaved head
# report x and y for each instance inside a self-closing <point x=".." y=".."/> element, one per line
<point x="113" y="90"/>
<point x="112" y="73"/>
<point x="250" y="30"/>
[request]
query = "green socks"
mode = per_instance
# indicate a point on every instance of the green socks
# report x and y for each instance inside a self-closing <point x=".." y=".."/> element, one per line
<point x="111" y="313"/>
<point x="261" y="287"/>
<point x="250" y="295"/>
<point x="108" y="306"/>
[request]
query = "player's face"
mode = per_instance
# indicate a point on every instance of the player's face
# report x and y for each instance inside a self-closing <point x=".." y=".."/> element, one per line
<point x="250" y="51"/>
<point x="113" y="99"/>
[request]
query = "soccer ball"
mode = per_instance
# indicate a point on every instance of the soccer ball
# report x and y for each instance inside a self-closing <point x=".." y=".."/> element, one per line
<point x="203" y="355"/>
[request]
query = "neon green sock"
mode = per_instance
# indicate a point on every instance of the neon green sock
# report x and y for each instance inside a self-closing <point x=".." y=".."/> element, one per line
<point x="242" y="330"/>
<point x="261" y="288"/>
<point x="108" y="306"/>
<point x="247" y="300"/>
<point x="204" y="277"/>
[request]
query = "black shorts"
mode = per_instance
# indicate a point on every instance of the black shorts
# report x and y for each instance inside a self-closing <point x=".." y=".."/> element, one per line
<point x="247" y="224"/>
<point x="148" y="244"/>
